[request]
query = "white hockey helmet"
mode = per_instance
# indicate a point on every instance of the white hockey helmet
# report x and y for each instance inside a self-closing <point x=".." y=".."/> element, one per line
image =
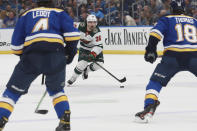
<point x="91" y="18"/>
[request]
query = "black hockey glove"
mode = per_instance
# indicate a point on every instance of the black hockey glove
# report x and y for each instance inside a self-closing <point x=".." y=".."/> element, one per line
<point x="150" y="55"/>
<point x="68" y="59"/>
<point x="70" y="51"/>
<point x="151" y="49"/>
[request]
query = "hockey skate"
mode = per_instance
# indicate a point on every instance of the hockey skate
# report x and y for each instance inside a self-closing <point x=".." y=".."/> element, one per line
<point x="85" y="73"/>
<point x="146" y="115"/>
<point x="71" y="80"/>
<point x="3" y="121"/>
<point x="64" y="124"/>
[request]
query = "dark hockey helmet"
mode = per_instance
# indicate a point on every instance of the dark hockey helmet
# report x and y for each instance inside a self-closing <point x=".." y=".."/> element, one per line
<point x="45" y="3"/>
<point x="177" y="6"/>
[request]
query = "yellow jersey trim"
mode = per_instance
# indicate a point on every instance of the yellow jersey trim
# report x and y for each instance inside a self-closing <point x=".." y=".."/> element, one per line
<point x="17" y="52"/>
<point x="72" y="38"/>
<point x="179" y="16"/>
<point x="122" y="52"/>
<point x="180" y="50"/>
<point x="155" y="35"/>
<point x="43" y="8"/>
<point x="27" y="43"/>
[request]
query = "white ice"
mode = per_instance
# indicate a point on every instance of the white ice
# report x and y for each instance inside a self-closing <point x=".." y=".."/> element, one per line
<point x="99" y="104"/>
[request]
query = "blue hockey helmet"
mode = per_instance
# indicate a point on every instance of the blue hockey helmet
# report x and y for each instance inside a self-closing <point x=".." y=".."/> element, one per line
<point x="178" y="6"/>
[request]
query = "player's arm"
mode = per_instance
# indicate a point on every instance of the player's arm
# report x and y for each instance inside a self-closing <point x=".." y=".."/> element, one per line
<point x="156" y="34"/>
<point x="18" y="37"/>
<point x="71" y="36"/>
<point x="151" y="49"/>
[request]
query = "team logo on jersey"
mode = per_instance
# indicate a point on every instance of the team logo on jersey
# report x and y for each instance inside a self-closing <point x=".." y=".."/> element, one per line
<point x="82" y="24"/>
<point x="95" y="30"/>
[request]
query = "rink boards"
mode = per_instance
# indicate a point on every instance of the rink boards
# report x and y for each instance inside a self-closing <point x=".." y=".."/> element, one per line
<point x="116" y="40"/>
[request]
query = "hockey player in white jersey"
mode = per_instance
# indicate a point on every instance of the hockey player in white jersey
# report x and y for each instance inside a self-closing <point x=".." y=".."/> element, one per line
<point x="90" y="51"/>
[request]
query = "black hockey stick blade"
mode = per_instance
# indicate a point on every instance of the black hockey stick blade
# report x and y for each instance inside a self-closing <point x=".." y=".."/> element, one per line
<point x="41" y="111"/>
<point x="123" y="80"/>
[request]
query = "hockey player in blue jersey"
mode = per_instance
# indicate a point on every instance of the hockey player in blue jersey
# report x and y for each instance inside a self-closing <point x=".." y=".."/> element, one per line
<point x="180" y="54"/>
<point x="38" y="39"/>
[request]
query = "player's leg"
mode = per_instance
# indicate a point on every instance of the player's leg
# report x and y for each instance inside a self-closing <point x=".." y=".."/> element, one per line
<point x="193" y="66"/>
<point x="55" y="86"/>
<point x="17" y="85"/>
<point x="93" y="67"/>
<point x="160" y="77"/>
<point x="81" y="65"/>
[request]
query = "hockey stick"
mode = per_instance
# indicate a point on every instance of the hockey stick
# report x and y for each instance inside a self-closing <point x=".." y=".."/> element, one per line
<point x="43" y="79"/>
<point x="120" y="80"/>
<point x="38" y="110"/>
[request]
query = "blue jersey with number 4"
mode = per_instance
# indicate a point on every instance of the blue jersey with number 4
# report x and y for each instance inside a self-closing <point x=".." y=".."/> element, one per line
<point x="179" y="33"/>
<point x="50" y="25"/>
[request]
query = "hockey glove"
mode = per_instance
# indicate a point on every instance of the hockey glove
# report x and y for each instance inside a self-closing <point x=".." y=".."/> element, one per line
<point x="151" y="49"/>
<point x="70" y="51"/>
<point x="150" y="54"/>
<point x="92" y="56"/>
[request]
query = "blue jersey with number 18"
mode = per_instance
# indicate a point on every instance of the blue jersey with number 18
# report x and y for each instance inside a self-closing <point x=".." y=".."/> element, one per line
<point x="179" y="33"/>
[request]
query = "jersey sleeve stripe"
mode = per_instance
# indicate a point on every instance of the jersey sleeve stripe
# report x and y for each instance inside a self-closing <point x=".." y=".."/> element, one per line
<point x="13" y="47"/>
<point x="155" y="35"/>
<point x="72" y="38"/>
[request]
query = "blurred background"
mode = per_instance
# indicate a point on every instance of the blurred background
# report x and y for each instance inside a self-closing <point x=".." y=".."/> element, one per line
<point x="108" y="12"/>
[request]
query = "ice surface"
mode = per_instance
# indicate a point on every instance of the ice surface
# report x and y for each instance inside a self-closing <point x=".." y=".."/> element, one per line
<point x="99" y="104"/>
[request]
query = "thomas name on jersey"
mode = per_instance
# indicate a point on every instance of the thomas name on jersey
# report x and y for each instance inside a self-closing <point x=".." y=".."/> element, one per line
<point x="183" y="19"/>
<point x="39" y="13"/>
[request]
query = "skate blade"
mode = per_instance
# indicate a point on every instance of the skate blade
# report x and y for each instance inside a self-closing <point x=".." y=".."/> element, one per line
<point x="147" y="119"/>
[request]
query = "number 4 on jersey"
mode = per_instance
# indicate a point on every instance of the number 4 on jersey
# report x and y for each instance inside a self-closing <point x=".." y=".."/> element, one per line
<point x="42" y="24"/>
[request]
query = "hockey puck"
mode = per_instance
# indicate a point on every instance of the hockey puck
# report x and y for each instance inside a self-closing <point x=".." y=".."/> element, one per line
<point x="121" y="86"/>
